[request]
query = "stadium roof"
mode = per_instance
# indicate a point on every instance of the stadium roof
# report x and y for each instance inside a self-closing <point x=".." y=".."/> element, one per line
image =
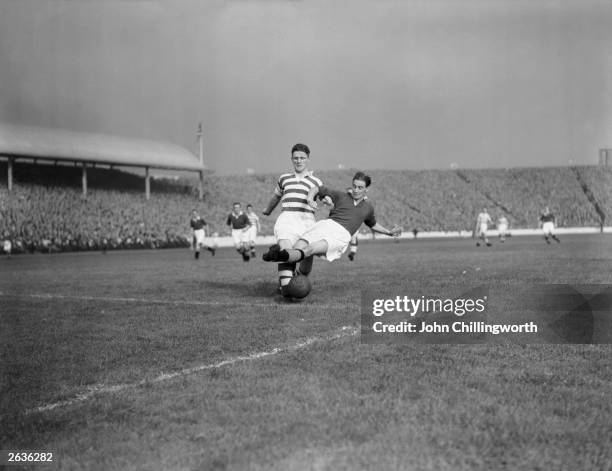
<point x="62" y="145"/>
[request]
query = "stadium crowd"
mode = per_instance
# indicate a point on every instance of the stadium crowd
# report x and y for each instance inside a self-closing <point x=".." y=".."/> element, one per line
<point x="47" y="213"/>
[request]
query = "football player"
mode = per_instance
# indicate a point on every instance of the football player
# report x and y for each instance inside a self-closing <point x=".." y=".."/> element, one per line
<point x="240" y="224"/>
<point x="482" y="224"/>
<point x="198" y="224"/>
<point x="547" y="222"/>
<point x="502" y="228"/>
<point x="255" y="227"/>
<point x="296" y="216"/>
<point x="330" y="237"/>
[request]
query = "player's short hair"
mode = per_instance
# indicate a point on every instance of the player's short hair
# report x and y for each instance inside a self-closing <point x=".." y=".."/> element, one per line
<point x="237" y="203"/>
<point x="249" y="205"/>
<point x="300" y="148"/>
<point x="363" y="177"/>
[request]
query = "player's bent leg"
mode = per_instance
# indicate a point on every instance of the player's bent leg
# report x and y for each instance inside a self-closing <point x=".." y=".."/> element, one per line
<point x="285" y="270"/>
<point x="285" y="273"/>
<point x="305" y="265"/>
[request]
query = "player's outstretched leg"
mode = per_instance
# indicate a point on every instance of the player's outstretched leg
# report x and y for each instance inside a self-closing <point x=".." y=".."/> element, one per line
<point x="212" y="250"/>
<point x="272" y="253"/>
<point x="556" y="238"/>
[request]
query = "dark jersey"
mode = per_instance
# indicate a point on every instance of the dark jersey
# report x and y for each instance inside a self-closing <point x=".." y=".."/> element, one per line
<point x="238" y="222"/>
<point x="547" y="217"/>
<point x="346" y="213"/>
<point x="197" y="223"/>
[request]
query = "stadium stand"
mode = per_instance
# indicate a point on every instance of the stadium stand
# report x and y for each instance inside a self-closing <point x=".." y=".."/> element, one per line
<point x="46" y="212"/>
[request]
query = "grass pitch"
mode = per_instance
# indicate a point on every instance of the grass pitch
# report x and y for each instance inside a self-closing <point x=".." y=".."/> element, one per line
<point x="154" y="360"/>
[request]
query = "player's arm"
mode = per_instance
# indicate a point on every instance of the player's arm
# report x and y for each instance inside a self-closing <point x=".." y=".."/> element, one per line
<point x="271" y="205"/>
<point x="395" y="231"/>
<point x="312" y="193"/>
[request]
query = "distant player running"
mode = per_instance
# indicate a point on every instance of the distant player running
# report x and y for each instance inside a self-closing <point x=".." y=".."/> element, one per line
<point x="353" y="246"/>
<point x="547" y="222"/>
<point x="330" y="237"/>
<point x="198" y="224"/>
<point x="254" y="229"/>
<point x="297" y="215"/>
<point x="502" y="228"/>
<point x="482" y="224"/>
<point x="240" y="224"/>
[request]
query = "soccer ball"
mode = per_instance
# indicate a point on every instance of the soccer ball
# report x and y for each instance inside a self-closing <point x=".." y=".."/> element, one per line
<point x="298" y="287"/>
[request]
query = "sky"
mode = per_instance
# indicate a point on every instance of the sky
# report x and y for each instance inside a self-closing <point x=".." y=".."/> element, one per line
<point x="384" y="84"/>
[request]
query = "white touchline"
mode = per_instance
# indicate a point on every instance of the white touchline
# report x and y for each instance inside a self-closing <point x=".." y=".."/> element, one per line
<point x="346" y="331"/>
<point x="166" y="301"/>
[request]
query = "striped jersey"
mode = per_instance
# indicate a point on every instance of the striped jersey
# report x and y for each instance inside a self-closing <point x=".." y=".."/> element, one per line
<point x="293" y="191"/>
<point x="253" y="218"/>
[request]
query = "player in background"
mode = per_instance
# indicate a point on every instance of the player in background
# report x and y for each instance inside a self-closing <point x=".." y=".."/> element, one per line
<point x="296" y="216"/>
<point x="353" y="246"/>
<point x="502" y="228"/>
<point x="7" y="246"/>
<point x="198" y="224"/>
<point x="482" y="224"/>
<point x="330" y="237"/>
<point x="547" y="222"/>
<point x="254" y="229"/>
<point x="240" y="224"/>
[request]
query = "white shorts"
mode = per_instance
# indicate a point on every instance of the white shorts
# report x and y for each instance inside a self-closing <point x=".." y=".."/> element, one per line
<point x="336" y="236"/>
<point x="548" y="227"/>
<point x="240" y="236"/>
<point x="251" y="233"/>
<point x="482" y="229"/>
<point x="7" y="246"/>
<point x="502" y="228"/>
<point x="292" y="224"/>
<point x="199" y="235"/>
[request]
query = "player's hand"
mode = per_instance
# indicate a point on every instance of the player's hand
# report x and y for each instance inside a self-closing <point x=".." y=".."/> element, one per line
<point x="328" y="201"/>
<point x="396" y="231"/>
<point x="312" y="204"/>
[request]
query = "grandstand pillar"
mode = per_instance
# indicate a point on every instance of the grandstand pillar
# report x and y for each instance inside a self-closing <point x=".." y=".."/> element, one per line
<point x="84" y="179"/>
<point x="9" y="173"/>
<point x="201" y="185"/>
<point x="147" y="184"/>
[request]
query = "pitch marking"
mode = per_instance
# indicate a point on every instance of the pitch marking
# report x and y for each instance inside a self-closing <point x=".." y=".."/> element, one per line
<point x="169" y="302"/>
<point x="92" y="391"/>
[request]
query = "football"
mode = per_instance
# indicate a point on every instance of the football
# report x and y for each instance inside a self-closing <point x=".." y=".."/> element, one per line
<point x="298" y="287"/>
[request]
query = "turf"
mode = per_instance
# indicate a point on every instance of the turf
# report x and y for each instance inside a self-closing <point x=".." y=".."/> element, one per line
<point x="95" y="333"/>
